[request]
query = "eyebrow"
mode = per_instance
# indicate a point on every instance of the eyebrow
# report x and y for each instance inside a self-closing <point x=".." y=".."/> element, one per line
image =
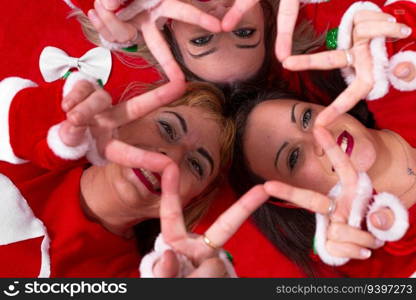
<point x="213" y="50"/>
<point x="208" y="157"/>
<point x="181" y="120"/>
<point x="292" y="114"/>
<point x="278" y="153"/>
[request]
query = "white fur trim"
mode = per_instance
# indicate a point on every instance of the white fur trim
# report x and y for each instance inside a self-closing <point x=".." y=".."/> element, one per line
<point x="401" y="85"/>
<point x="62" y="150"/>
<point x="73" y="78"/>
<point x="413" y="275"/>
<point x="185" y="265"/>
<point x="378" y="50"/>
<point x="401" y="217"/>
<point x="358" y="209"/>
<point x="9" y="87"/>
<point x="113" y="46"/>
<point x="18" y="222"/>
<point x="135" y="8"/>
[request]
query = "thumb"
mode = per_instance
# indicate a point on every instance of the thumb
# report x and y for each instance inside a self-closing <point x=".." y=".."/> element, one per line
<point x="382" y="219"/>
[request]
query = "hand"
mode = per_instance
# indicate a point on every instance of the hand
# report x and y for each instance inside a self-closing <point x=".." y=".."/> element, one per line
<point x="286" y="21"/>
<point x="114" y="30"/>
<point x="90" y="108"/>
<point x="367" y="25"/>
<point x="192" y="246"/>
<point x="343" y="240"/>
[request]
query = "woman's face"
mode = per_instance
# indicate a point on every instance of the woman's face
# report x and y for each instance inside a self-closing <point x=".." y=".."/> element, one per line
<point x="279" y="144"/>
<point x="227" y="56"/>
<point x="189" y="136"/>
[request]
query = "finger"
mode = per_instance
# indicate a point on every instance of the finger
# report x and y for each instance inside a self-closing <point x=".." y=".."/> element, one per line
<point x="405" y="71"/>
<point x="358" y="90"/>
<point x="100" y="26"/>
<point x="348" y="250"/>
<point x="229" y="222"/>
<point x="210" y="268"/>
<point x="142" y="105"/>
<point x="171" y="216"/>
<point x="111" y="5"/>
<point x="286" y="21"/>
<point x="306" y="199"/>
<point x="372" y="29"/>
<point x="343" y="233"/>
<point x="129" y="156"/>
<point x="81" y="90"/>
<point x="167" y="266"/>
<point x="120" y="31"/>
<point x="326" y="60"/>
<point x="383" y="219"/>
<point x="189" y="14"/>
<point x="161" y="51"/>
<point x="340" y="160"/>
<point x="236" y="12"/>
<point x="83" y="113"/>
<point x="72" y="135"/>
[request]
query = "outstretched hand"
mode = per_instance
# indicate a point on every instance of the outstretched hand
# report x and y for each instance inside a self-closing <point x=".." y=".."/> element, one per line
<point x="89" y="107"/>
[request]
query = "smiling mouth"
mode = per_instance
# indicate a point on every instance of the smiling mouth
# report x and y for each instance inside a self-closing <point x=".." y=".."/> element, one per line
<point x="346" y="142"/>
<point x="150" y="180"/>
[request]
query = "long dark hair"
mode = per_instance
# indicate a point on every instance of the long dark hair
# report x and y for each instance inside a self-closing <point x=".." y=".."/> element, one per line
<point x="290" y="230"/>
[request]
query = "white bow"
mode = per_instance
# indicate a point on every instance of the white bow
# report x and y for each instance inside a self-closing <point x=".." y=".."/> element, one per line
<point x="54" y="63"/>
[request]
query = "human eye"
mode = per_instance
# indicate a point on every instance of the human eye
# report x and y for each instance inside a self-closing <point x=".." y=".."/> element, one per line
<point x="244" y="33"/>
<point x="168" y="130"/>
<point x="196" y="167"/>
<point x="202" y="40"/>
<point x="306" y="118"/>
<point x="293" y="159"/>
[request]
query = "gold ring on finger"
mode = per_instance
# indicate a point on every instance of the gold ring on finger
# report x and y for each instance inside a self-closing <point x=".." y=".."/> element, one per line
<point x="209" y="243"/>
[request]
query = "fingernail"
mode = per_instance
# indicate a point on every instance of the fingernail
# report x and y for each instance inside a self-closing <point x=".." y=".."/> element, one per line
<point x="365" y="253"/>
<point x="380" y="220"/>
<point x="406" y="31"/>
<point x="404" y="72"/>
<point x="392" y="20"/>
